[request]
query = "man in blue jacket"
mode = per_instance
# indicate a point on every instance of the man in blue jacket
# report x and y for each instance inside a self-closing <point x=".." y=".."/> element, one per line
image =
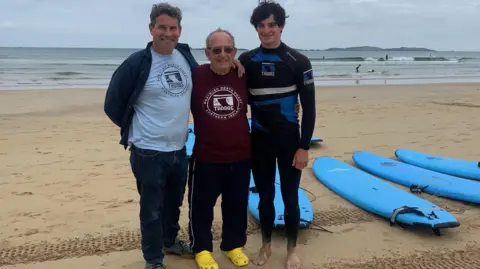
<point x="149" y="99"/>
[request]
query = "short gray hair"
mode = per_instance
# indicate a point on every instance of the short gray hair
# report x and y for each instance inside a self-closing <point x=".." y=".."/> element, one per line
<point x="165" y="9"/>
<point x="219" y="30"/>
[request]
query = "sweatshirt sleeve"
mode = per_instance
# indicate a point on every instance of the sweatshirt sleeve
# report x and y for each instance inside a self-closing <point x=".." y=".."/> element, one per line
<point x="118" y="93"/>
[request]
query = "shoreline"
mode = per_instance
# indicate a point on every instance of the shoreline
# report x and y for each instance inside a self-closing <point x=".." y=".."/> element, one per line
<point x="318" y="85"/>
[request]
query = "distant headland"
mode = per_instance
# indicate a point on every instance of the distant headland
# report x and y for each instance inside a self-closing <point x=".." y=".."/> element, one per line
<point x="359" y="48"/>
<point x="368" y="48"/>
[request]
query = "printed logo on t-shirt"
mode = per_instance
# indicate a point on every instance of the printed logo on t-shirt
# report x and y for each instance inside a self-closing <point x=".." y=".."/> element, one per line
<point x="173" y="79"/>
<point x="222" y="103"/>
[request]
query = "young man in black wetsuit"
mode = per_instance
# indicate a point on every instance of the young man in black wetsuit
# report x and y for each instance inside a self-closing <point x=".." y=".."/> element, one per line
<point x="276" y="76"/>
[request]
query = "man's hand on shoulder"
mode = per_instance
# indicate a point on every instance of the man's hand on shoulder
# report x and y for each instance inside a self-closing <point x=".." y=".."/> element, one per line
<point x="300" y="160"/>
<point x="237" y="64"/>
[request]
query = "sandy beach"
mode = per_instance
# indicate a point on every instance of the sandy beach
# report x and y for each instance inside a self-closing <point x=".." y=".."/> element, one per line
<point x="68" y="197"/>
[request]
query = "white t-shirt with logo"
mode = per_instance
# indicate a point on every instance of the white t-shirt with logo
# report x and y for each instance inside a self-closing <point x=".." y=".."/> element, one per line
<point x="160" y="121"/>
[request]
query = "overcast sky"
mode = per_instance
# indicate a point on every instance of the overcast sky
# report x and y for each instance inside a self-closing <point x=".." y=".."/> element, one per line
<point x="313" y="24"/>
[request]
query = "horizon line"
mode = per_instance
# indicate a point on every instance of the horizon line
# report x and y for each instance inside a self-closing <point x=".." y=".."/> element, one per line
<point x="199" y="48"/>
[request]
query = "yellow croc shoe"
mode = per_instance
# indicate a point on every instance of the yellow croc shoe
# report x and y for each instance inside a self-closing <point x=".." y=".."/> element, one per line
<point x="237" y="257"/>
<point x="205" y="260"/>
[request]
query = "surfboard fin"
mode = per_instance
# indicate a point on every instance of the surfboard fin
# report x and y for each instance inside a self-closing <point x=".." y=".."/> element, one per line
<point x="417" y="189"/>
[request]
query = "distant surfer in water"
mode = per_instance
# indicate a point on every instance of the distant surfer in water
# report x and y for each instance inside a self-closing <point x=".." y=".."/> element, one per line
<point x="356" y="69"/>
<point x="275" y="82"/>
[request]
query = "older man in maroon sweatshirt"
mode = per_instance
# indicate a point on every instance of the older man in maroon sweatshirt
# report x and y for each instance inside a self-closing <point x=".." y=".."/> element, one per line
<point x="220" y="161"/>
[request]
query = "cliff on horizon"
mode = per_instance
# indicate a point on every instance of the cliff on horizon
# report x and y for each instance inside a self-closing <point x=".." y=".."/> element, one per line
<point x="359" y="48"/>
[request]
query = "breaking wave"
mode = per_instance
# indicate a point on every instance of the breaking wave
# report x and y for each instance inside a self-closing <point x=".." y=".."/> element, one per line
<point x="392" y="59"/>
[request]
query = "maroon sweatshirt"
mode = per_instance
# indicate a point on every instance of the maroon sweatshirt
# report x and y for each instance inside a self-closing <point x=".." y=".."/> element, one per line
<point x="219" y="109"/>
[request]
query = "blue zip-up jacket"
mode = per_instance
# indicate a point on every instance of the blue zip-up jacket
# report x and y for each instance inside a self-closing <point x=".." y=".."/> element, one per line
<point x="128" y="81"/>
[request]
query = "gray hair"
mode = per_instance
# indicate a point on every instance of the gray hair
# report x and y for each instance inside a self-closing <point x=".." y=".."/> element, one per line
<point x="165" y="9"/>
<point x="219" y="30"/>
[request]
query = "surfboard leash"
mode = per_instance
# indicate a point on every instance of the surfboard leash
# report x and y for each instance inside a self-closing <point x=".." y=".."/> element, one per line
<point x="311" y="193"/>
<point x="319" y="228"/>
<point x="412" y="210"/>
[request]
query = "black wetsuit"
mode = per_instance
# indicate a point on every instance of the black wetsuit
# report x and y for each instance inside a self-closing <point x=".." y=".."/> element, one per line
<point x="276" y="77"/>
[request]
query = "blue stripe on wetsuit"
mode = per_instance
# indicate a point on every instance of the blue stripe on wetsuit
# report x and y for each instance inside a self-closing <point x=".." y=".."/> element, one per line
<point x="287" y="104"/>
<point x="287" y="109"/>
<point x="260" y="56"/>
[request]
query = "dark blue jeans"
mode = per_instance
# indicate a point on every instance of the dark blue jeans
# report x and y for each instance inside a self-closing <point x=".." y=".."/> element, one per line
<point x="161" y="179"/>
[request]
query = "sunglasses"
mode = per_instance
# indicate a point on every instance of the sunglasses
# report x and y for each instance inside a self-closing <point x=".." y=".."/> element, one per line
<point x="218" y="50"/>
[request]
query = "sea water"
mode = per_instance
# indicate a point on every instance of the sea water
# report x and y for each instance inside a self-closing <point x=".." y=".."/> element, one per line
<point x="51" y="68"/>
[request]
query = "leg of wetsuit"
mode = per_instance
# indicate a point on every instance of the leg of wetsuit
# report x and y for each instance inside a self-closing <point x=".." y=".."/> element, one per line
<point x="263" y="170"/>
<point x="289" y="183"/>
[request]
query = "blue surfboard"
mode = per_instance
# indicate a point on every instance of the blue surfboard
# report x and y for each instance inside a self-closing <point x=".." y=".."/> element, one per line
<point x="306" y="211"/>
<point x="190" y="140"/>
<point x="190" y="127"/>
<point x="419" y="179"/>
<point x="450" y="166"/>
<point x="379" y="197"/>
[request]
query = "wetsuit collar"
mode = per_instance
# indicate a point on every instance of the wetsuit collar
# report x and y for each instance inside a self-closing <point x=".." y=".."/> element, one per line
<point x="266" y="50"/>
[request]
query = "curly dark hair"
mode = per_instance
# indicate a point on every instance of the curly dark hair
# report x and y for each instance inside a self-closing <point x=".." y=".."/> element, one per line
<point x="266" y="8"/>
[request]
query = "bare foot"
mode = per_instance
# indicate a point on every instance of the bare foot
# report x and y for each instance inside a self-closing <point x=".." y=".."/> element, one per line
<point x="293" y="262"/>
<point x="263" y="255"/>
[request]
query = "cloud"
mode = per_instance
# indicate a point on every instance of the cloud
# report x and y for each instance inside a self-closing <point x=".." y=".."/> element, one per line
<point x="7" y="24"/>
<point x="437" y="24"/>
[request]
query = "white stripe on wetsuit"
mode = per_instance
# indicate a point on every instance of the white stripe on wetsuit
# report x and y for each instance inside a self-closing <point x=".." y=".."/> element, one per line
<point x="267" y="91"/>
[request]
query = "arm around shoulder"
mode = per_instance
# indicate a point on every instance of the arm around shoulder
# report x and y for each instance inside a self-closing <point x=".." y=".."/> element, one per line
<point x="118" y="93"/>
<point x="243" y="58"/>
